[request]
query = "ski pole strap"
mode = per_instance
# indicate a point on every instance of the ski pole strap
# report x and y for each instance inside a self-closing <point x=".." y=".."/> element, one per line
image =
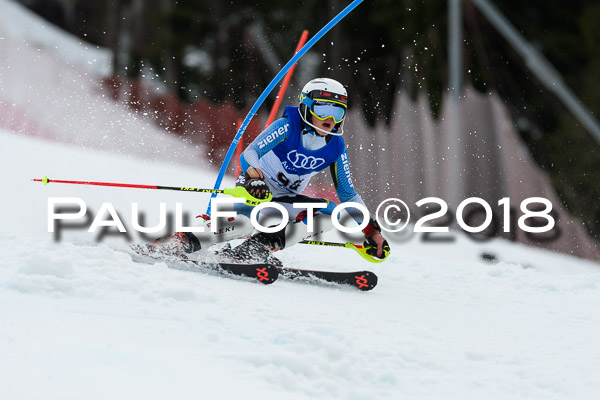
<point x="240" y="191"/>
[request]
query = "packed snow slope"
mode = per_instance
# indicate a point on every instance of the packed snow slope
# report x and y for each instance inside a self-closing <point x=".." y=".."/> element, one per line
<point x="51" y="86"/>
<point x="81" y="320"/>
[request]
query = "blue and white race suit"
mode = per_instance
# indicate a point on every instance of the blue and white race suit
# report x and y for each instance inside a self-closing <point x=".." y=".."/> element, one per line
<point x="289" y="154"/>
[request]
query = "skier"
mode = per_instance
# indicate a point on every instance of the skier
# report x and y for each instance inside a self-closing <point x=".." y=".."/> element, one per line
<point x="281" y="160"/>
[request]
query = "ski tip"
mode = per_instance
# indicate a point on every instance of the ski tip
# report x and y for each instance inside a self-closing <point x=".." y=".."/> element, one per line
<point x="267" y="274"/>
<point x="263" y="273"/>
<point x="365" y="280"/>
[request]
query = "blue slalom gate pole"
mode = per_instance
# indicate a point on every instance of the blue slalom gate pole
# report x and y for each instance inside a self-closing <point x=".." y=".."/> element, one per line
<point x="270" y="87"/>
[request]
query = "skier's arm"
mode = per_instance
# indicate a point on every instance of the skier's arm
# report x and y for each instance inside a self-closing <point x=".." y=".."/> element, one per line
<point x="266" y="141"/>
<point x="342" y="180"/>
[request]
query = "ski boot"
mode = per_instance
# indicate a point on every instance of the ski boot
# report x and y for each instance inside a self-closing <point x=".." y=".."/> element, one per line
<point x="258" y="248"/>
<point x="176" y="245"/>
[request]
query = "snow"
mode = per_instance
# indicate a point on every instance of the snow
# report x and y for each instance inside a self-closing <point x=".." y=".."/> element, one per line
<point x="51" y="86"/>
<point x="85" y="321"/>
<point x="17" y="21"/>
<point x="81" y="320"/>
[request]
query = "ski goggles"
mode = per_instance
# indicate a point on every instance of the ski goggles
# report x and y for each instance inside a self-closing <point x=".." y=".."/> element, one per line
<point x="323" y="109"/>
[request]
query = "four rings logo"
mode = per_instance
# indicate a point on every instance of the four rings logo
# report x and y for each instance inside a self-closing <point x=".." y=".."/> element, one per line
<point x="299" y="160"/>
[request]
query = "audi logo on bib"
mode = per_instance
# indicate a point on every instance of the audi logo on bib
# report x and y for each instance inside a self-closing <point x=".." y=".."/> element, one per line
<point x="300" y="160"/>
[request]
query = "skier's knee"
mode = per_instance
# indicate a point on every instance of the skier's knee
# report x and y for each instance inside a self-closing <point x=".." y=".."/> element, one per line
<point x="227" y="229"/>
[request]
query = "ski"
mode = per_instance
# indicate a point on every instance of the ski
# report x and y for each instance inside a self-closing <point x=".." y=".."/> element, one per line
<point x="263" y="272"/>
<point x="363" y="280"/>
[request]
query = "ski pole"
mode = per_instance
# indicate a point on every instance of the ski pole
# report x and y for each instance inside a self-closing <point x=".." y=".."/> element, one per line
<point x="238" y="191"/>
<point x="360" y="249"/>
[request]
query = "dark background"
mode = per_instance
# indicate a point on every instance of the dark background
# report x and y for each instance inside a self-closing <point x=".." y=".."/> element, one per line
<point x="381" y="48"/>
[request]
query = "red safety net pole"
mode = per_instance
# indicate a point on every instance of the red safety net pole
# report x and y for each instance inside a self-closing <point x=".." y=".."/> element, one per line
<point x="282" y="89"/>
<point x="286" y="81"/>
<point x="238" y="153"/>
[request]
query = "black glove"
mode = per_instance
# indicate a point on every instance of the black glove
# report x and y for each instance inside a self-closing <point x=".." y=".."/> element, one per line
<point x="371" y="247"/>
<point x="255" y="184"/>
<point x="374" y="230"/>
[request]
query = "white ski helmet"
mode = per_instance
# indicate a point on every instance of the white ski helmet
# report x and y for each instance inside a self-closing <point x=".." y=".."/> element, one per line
<point x="324" y="98"/>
